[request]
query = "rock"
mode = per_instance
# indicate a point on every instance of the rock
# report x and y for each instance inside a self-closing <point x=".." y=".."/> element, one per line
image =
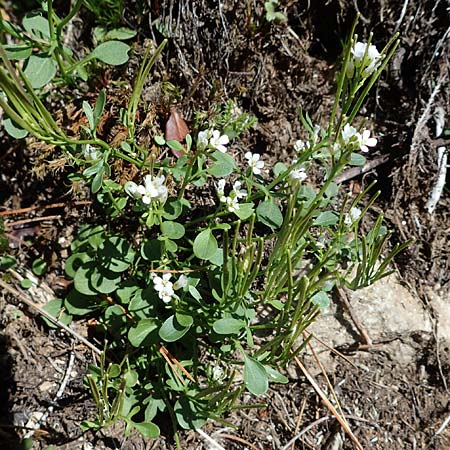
<point x="388" y="311"/>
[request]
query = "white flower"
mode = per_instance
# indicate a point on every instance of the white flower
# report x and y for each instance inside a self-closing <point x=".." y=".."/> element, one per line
<point x="365" y="141"/>
<point x="364" y="55"/>
<point x="299" y="145"/>
<point x="237" y="191"/>
<point x="348" y="132"/>
<point x="91" y="153"/>
<point x="299" y="174"/>
<point x="181" y="283"/>
<point x="164" y="287"/>
<point x="254" y="162"/>
<point x="153" y="189"/>
<point x="316" y="133"/>
<point x="352" y="216"/>
<point x="217" y="373"/>
<point x="218" y="141"/>
<point x="232" y="204"/>
<point x="202" y="138"/>
<point x="220" y="189"/>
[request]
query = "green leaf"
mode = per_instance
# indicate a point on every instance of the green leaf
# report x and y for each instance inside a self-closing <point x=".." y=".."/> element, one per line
<point x="321" y="300"/>
<point x="356" y="159"/>
<point x="205" y="245"/>
<point x="37" y="26"/>
<point x="151" y="250"/>
<point x="104" y="281"/>
<point x="115" y="254"/>
<point x="78" y="304"/>
<point x="228" y="325"/>
<point x="171" y="330"/>
<point x="73" y="262"/>
<point x="147" y="429"/>
<point x="255" y="376"/>
<point x="172" y="209"/>
<point x="269" y="214"/>
<point x="175" y="145"/>
<point x="159" y="140"/>
<point x="18" y="51"/>
<point x="131" y="378"/>
<point x="223" y="165"/>
<point x="98" y="179"/>
<point x="13" y="129"/>
<point x="279" y="168"/>
<point x="55" y="308"/>
<point x="6" y="262"/>
<point x="276" y="376"/>
<point x="121" y="34"/>
<point x="245" y="210"/>
<point x="332" y="190"/>
<point x="26" y="283"/>
<point x="112" y="52"/>
<point x="185" y="320"/>
<point x="40" y="70"/>
<point x="142" y="334"/>
<point x="89" y="113"/>
<point x="173" y="230"/>
<point x="39" y="266"/>
<point x="326" y="218"/>
<point x="114" y="370"/>
<point x="99" y="107"/>
<point x="188" y="414"/>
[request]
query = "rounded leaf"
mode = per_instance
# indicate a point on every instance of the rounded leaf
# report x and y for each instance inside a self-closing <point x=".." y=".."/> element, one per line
<point x="171" y="330"/>
<point x="205" y="245"/>
<point x="255" y="376"/>
<point x="112" y="52"/>
<point x="141" y="333"/>
<point x="228" y="325"/>
<point x="40" y="70"/>
<point x="269" y="214"/>
<point x="173" y="230"/>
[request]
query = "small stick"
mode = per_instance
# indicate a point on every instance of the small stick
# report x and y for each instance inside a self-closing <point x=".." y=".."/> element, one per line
<point x="58" y="395"/>
<point x="333" y="350"/>
<point x="215" y="444"/>
<point x="11" y="212"/>
<point x="328" y="404"/>
<point x="439" y="185"/>
<point x="299" y="419"/>
<point x="443" y="426"/>
<point x="23" y="298"/>
<point x="167" y="355"/>
<point x="236" y="438"/>
<point x="330" y="386"/>
<point x="34" y="219"/>
<point x="360" y="327"/>
<point x="356" y="171"/>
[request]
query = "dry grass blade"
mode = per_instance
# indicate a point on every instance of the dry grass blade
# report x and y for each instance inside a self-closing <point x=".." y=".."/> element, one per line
<point x="328" y="404"/>
<point x="23" y="298"/>
<point x="237" y="439"/>
<point x="171" y="360"/>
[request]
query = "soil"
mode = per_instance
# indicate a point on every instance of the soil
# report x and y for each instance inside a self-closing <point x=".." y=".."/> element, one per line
<point x="395" y="393"/>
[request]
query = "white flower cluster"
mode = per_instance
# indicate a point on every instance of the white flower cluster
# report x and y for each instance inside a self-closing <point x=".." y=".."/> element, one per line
<point x="153" y="189"/>
<point x="213" y="139"/>
<point x="363" y="140"/>
<point x="232" y="199"/>
<point x="365" y="57"/>
<point x="165" y="288"/>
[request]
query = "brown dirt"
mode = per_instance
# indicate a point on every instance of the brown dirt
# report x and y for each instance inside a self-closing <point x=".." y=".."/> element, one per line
<point x="227" y="50"/>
